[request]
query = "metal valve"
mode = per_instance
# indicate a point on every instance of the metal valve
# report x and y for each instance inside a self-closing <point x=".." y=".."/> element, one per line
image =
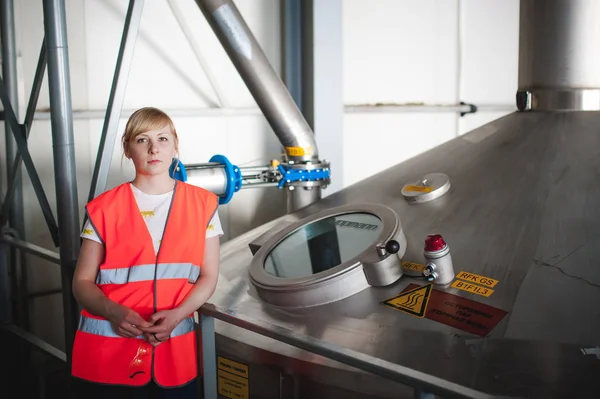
<point x="430" y="273"/>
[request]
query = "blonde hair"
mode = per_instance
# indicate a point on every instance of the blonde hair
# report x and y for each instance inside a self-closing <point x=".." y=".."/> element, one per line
<point x="144" y="120"/>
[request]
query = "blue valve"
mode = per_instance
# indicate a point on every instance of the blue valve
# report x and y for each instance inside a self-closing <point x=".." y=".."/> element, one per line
<point x="232" y="172"/>
<point x="294" y="175"/>
<point x="177" y="171"/>
<point x="234" y="178"/>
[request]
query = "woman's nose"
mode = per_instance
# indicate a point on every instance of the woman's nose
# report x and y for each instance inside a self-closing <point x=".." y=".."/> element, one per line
<point x="153" y="148"/>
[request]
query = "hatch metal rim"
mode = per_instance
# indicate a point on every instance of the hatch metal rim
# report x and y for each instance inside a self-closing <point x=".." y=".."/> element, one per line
<point x="391" y="225"/>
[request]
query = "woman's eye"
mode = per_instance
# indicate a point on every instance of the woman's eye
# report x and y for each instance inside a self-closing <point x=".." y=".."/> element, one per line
<point x="164" y="139"/>
<point x="142" y="140"/>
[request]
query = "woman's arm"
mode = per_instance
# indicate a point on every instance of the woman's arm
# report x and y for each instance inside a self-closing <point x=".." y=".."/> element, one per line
<point x="93" y="299"/>
<point x="207" y="282"/>
<point x="166" y="320"/>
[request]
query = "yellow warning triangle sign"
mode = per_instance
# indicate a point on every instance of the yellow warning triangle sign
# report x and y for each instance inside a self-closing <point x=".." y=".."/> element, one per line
<point x="413" y="302"/>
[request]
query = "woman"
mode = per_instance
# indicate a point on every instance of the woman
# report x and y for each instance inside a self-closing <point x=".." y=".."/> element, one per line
<point x="149" y="258"/>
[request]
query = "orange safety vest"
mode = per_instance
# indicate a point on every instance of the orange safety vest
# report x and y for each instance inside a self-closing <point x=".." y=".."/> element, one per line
<point x="133" y="276"/>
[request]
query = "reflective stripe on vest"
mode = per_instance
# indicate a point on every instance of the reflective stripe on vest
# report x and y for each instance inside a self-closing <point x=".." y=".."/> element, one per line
<point x="104" y="328"/>
<point x="139" y="273"/>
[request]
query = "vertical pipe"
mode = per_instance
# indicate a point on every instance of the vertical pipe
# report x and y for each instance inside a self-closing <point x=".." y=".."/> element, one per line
<point x="64" y="157"/>
<point x="323" y="81"/>
<point x="209" y="356"/>
<point x="558" y="62"/>
<point x="292" y="48"/>
<point x="16" y="217"/>
<point x="266" y="87"/>
<point x="301" y="197"/>
<point x="558" y="43"/>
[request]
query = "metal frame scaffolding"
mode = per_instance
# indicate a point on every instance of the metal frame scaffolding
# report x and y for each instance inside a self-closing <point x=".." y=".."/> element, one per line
<point x="279" y="107"/>
<point x="269" y="91"/>
<point x="65" y="233"/>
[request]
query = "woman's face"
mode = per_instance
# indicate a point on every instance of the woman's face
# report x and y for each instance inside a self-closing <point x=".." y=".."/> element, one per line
<point x="152" y="152"/>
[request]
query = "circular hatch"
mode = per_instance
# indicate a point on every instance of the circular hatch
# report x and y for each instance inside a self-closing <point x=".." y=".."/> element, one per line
<point x="320" y="259"/>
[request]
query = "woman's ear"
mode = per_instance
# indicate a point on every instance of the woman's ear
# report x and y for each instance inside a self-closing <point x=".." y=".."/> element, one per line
<point x="125" y="150"/>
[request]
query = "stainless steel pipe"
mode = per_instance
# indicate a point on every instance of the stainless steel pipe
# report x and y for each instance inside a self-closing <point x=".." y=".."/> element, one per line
<point x="558" y="54"/>
<point x="266" y="87"/>
<point x="64" y="157"/>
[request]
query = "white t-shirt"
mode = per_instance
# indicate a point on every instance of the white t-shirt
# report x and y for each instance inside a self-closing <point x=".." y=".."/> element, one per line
<point x="154" y="208"/>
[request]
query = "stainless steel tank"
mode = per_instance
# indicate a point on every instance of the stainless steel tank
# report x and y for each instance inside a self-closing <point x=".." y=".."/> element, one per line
<point x="518" y="205"/>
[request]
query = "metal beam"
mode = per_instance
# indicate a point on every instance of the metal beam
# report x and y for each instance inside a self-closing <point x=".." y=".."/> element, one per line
<point x="35" y="88"/>
<point x="209" y="356"/>
<point x="64" y="157"/>
<point x="87" y="114"/>
<point x="9" y="74"/>
<point x="37" y="342"/>
<point x="116" y="98"/>
<point x="31" y="248"/>
<point x="14" y="172"/>
<point x="189" y="35"/>
<point x="18" y="134"/>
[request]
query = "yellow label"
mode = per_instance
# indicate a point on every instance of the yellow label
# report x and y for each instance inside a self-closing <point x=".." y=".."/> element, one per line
<point x="413" y="302"/>
<point x="472" y="288"/>
<point x="232" y="379"/>
<point x="417" y="267"/>
<point x="88" y="232"/>
<point x="231" y="386"/>
<point x="298" y="151"/>
<point x="232" y="366"/>
<point x="477" y="279"/>
<point x="421" y="189"/>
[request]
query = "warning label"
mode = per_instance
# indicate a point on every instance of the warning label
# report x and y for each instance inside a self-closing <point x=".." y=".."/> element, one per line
<point x="455" y="311"/>
<point x="413" y="302"/>
<point x="472" y="288"/>
<point x="416" y="267"/>
<point x="232" y="379"/>
<point x="477" y="279"/>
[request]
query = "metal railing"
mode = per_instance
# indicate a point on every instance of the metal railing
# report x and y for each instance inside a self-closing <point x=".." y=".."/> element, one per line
<point x="17" y="330"/>
<point x="425" y="386"/>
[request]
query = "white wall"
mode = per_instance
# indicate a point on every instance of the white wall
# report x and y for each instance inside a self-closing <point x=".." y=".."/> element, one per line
<point x="422" y="51"/>
<point x="394" y="51"/>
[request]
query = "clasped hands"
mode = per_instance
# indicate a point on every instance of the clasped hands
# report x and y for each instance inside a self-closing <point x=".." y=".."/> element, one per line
<point x="129" y="324"/>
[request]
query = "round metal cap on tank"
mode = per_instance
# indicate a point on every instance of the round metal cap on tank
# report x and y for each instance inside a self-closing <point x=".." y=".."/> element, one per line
<point x="439" y="269"/>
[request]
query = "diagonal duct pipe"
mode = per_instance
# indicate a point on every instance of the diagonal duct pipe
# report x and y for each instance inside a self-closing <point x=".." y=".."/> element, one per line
<point x="558" y="64"/>
<point x="268" y="90"/>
